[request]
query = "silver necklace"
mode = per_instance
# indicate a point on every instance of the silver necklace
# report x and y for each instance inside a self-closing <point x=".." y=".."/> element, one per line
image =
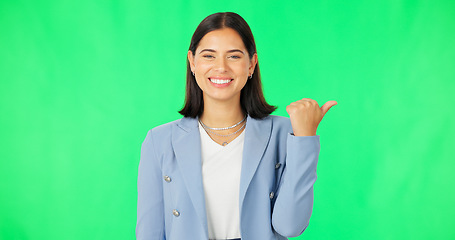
<point x="226" y="135"/>
<point x="224" y="143"/>
<point x="224" y="128"/>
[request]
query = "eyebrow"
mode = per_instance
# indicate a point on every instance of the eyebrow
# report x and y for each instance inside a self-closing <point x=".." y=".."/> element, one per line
<point x="230" y="51"/>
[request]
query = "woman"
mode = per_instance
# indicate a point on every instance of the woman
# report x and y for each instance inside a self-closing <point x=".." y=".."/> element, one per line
<point x="228" y="169"/>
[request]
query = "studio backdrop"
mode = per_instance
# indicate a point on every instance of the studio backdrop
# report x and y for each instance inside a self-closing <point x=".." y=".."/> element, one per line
<point x="81" y="83"/>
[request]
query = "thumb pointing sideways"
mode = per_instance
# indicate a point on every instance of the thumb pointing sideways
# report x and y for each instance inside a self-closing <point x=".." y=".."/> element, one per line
<point x="327" y="106"/>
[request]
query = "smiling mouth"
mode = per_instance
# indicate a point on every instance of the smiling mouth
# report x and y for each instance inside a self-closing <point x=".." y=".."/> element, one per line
<point x="220" y="81"/>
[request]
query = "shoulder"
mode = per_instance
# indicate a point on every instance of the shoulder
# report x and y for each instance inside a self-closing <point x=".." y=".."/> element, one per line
<point x="280" y="123"/>
<point x="279" y="119"/>
<point x="163" y="132"/>
<point x="164" y="128"/>
<point x="277" y="125"/>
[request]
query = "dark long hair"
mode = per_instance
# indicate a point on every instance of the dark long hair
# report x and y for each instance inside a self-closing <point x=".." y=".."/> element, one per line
<point x="252" y="99"/>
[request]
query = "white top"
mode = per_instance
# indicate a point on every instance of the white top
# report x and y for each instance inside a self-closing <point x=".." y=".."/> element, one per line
<point x="221" y="167"/>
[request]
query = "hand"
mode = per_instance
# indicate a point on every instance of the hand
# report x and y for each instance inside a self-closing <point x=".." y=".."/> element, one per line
<point x="306" y="115"/>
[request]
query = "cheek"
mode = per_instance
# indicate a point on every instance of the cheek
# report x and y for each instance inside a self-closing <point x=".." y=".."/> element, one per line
<point x="199" y="83"/>
<point x="241" y="69"/>
<point x="203" y="66"/>
<point x="246" y="65"/>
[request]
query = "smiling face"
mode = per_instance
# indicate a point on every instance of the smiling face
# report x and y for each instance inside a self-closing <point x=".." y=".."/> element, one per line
<point x="221" y="65"/>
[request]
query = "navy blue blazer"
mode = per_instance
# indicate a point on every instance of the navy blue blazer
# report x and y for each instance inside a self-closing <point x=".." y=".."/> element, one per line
<point x="276" y="183"/>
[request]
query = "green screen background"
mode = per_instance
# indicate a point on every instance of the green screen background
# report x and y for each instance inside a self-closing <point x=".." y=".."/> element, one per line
<point x="83" y="81"/>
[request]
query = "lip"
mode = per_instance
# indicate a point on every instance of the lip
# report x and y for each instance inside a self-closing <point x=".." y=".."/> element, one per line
<point x="220" y="78"/>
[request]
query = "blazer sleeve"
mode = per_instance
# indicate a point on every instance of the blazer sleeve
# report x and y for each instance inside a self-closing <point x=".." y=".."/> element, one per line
<point x="150" y="206"/>
<point x="294" y="202"/>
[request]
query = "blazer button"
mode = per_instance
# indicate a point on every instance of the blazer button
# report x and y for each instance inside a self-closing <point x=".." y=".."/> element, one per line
<point x="176" y="213"/>
<point x="167" y="178"/>
<point x="272" y="194"/>
<point x="278" y="165"/>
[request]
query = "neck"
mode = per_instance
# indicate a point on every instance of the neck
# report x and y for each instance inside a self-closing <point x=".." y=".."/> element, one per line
<point x="222" y="114"/>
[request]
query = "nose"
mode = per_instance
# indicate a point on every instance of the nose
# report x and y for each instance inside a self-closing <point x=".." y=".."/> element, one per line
<point x="221" y="64"/>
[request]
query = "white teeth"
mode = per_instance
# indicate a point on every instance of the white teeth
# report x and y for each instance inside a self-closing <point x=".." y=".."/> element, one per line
<point x="220" y="81"/>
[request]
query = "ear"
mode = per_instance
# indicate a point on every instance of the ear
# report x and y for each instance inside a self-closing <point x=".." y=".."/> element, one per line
<point x="253" y="62"/>
<point x="191" y="60"/>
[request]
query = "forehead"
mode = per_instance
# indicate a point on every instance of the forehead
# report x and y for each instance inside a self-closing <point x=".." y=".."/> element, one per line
<point x="226" y="38"/>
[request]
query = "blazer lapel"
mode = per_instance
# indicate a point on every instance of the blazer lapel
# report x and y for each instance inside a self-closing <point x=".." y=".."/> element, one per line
<point x="187" y="148"/>
<point x="257" y="135"/>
